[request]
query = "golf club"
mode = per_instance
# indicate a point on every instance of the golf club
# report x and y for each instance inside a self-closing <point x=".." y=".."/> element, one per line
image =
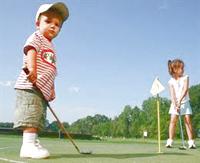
<point x="66" y="133"/>
<point x="183" y="147"/>
<point x="59" y="123"/>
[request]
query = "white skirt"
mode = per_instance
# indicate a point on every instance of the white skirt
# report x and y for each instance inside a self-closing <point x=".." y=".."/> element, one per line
<point x="184" y="109"/>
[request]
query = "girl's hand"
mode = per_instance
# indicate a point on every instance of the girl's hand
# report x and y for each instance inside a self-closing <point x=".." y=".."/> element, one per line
<point x="178" y="109"/>
<point x="179" y="104"/>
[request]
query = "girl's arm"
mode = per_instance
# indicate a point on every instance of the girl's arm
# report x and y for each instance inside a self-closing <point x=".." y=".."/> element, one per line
<point x="185" y="90"/>
<point x="172" y="95"/>
<point x="31" y="65"/>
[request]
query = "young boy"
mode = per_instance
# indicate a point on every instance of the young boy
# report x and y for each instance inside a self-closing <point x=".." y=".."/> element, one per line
<point x="34" y="89"/>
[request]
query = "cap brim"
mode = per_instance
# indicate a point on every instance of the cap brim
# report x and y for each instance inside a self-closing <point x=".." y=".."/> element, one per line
<point x="61" y="8"/>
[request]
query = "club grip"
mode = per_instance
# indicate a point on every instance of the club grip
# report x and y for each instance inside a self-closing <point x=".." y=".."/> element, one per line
<point x="26" y="70"/>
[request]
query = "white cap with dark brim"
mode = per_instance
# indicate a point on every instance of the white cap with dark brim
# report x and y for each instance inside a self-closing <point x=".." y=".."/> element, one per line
<point x="59" y="6"/>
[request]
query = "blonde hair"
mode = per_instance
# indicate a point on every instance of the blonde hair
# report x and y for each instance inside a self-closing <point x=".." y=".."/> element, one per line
<point x="174" y="65"/>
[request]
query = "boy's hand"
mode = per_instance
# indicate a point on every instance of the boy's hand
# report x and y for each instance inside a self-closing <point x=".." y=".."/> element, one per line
<point x="31" y="75"/>
<point x="53" y="96"/>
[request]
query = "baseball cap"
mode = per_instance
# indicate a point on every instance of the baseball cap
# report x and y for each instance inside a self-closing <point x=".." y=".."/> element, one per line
<point x="59" y="6"/>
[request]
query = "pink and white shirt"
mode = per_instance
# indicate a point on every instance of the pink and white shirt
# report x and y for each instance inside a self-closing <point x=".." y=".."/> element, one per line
<point x="46" y="65"/>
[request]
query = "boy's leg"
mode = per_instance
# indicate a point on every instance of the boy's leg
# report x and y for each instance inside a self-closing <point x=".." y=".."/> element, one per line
<point x="30" y="130"/>
<point x="172" y="127"/>
<point x="189" y="129"/>
<point x="30" y="147"/>
<point x="30" y="116"/>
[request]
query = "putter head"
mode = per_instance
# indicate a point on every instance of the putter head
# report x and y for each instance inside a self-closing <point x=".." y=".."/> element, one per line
<point x="87" y="152"/>
<point x="182" y="147"/>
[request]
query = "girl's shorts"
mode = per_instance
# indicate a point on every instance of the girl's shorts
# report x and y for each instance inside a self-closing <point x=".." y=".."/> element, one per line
<point x="184" y="109"/>
<point x="30" y="109"/>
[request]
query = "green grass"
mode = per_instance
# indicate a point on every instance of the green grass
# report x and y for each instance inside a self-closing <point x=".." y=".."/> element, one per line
<point x="106" y="151"/>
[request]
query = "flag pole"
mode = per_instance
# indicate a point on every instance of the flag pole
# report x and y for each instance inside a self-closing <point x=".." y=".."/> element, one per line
<point x="158" y="118"/>
<point x="156" y="88"/>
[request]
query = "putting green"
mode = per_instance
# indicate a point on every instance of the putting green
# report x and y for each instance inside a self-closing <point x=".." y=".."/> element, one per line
<point x="107" y="151"/>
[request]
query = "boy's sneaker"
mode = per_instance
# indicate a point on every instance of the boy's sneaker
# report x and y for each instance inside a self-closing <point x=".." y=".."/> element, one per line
<point x="169" y="143"/>
<point x="191" y="144"/>
<point x="33" y="150"/>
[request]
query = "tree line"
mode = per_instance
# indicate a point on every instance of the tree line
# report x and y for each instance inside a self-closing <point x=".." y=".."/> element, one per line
<point x="132" y="121"/>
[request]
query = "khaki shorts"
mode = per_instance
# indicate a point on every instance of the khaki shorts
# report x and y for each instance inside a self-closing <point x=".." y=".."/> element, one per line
<point x="30" y="109"/>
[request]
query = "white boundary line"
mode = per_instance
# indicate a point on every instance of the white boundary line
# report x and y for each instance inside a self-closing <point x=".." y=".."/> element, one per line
<point x="13" y="161"/>
<point x="5" y="147"/>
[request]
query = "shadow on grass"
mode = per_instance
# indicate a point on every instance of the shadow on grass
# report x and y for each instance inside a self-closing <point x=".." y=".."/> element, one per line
<point x="115" y="156"/>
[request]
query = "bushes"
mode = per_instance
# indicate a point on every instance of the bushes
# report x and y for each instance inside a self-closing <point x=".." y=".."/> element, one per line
<point x="49" y="134"/>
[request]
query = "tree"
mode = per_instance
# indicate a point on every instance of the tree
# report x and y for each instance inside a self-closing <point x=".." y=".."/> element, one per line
<point x="194" y="93"/>
<point x="6" y="125"/>
<point x="150" y="116"/>
<point x="101" y="125"/>
<point x="132" y="121"/>
<point x="54" y="126"/>
<point x="124" y="122"/>
<point x="136" y="128"/>
<point x="66" y="125"/>
<point x="92" y="125"/>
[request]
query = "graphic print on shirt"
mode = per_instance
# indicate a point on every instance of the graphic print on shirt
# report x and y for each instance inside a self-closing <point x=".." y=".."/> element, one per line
<point x="49" y="57"/>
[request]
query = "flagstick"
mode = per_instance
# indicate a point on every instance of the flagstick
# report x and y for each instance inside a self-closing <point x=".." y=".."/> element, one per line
<point x="158" y="117"/>
<point x="156" y="88"/>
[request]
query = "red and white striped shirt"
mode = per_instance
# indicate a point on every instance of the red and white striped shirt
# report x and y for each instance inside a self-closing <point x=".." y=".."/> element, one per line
<point x="46" y="65"/>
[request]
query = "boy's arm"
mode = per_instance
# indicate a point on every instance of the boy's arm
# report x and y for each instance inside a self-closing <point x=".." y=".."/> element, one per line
<point x="31" y="65"/>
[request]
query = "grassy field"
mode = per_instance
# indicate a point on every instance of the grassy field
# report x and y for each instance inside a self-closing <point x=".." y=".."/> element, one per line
<point x="107" y="151"/>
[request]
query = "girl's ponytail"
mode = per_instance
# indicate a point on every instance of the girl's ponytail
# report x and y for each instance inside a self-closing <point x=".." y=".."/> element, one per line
<point x="170" y="67"/>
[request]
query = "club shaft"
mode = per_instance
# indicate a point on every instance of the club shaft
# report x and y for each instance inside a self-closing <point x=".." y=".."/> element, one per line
<point x="63" y="128"/>
<point x="181" y="128"/>
<point x="26" y="70"/>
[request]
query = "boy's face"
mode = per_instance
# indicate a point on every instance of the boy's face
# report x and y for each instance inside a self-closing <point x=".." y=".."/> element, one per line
<point x="49" y="24"/>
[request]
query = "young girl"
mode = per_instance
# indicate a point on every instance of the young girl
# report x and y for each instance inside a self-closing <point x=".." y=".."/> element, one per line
<point x="178" y="86"/>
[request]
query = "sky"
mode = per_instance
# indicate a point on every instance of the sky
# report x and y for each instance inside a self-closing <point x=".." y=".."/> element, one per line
<point x="108" y="52"/>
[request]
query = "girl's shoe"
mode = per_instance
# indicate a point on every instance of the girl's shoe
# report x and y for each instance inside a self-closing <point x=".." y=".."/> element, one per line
<point x="191" y="144"/>
<point x="169" y="143"/>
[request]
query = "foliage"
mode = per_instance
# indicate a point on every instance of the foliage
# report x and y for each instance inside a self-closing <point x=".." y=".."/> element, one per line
<point x="195" y="104"/>
<point x="132" y="121"/>
<point x="6" y="125"/>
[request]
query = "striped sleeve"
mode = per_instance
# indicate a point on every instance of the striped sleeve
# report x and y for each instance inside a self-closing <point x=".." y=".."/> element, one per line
<point x="33" y="41"/>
